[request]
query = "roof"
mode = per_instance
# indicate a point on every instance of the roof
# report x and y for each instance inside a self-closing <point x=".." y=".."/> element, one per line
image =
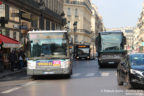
<point x="45" y="31"/>
<point x="8" y="40"/>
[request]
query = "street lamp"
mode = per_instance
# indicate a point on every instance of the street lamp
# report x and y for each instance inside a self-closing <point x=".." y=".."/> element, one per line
<point x="42" y="8"/>
<point x="75" y="29"/>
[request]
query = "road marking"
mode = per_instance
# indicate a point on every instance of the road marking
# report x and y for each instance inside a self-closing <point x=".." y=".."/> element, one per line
<point x="11" y="90"/>
<point x="105" y="74"/>
<point x="76" y="75"/>
<point x="90" y="74"/>
<point x="17" y="88"/>
<point x="29" y="83"/>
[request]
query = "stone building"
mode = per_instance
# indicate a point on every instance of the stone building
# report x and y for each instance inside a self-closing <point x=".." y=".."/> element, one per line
<point x="25" y="15"/>
<point x="78" y="14"/>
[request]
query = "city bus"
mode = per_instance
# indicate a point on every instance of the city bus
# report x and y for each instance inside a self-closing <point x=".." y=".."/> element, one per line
<point x="82" y="51"/>
<point x="49" y="54"/>
<point x="110" y="48"/>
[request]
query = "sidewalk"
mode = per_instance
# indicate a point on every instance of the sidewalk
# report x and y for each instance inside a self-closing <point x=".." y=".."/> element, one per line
<point x="8" y="72"/>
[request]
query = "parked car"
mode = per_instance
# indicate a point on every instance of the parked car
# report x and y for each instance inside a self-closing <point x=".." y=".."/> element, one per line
<point x="130" y="71"/>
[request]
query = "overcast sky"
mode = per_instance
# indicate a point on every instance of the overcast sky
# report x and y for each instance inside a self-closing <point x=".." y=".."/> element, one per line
<point x="119" y="13"/>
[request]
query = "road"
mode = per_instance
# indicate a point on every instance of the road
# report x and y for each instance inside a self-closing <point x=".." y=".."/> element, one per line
<point x="87" y="80"/>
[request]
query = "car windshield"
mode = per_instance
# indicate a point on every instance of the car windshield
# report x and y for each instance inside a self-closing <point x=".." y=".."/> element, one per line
<point x="48" y="45"/>
<point x="83" y="51"/>
<point x="137" y="60"/>
<point x="111" y="42"/>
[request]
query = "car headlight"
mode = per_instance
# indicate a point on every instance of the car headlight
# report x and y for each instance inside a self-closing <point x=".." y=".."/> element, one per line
<point x="132" y="71"/>
<point x="31" y="65"/>
<point x="65" y="64"/>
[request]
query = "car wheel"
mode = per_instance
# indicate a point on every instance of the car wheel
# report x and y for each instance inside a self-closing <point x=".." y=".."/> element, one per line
<point x="100" y="64"/>
<point x="129" y="85"/>
<point x="67" y="76"/>
<point x="118" y="79"/>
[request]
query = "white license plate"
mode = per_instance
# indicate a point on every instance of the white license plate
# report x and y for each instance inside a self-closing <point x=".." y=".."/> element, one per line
<point x="111" y="62"/>
<point x="48" y="73"/>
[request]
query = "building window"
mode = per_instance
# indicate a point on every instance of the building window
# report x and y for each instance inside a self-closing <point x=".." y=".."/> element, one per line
<point x="14" y="35"/>
<point x="14" y="14"/>
<point x="53" y="26"/>
<point x="2" y="10"/>
<point x="76" y="12"/>
<point x="69" y="12"/>
<point x="67" y="1"/>
<point x="47" y="25"/>
<point x="68" y="24"/>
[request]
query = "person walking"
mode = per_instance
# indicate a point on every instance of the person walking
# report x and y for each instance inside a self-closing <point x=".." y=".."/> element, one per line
<point x="12" y="59"/>
<point x="1" y="61"/>
<point x="21" y="59"/>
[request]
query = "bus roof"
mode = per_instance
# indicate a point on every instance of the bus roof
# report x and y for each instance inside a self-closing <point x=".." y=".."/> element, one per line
<point x="46" y="31"/>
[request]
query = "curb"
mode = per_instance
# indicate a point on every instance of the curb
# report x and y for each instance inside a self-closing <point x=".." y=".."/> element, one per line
<point x="12" y="73"/>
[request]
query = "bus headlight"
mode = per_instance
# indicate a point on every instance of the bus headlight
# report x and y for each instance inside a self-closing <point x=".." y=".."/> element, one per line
<point x="31" y="65"/>
<point x="65" y="64"/>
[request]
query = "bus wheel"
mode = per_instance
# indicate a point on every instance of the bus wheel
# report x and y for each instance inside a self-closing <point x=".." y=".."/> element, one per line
<point x="67" y="76"/>
<point x="33" y="77"/>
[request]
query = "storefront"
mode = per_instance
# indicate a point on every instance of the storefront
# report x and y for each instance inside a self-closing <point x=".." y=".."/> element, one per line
<point x="8" y="44"/>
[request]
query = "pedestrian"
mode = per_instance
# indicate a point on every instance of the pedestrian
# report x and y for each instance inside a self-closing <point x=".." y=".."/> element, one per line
<point x="1" y="61"/>
<point x="21" y="59"/>
<point x="12" y="59"/>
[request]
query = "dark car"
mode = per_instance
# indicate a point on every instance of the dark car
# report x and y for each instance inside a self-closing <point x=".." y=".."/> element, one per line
<point x="130" y="71"/>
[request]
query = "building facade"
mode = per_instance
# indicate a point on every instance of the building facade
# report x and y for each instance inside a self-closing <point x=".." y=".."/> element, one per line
<point x="96" y="21"/>
<point x="78" y="15"/>
<point x="139" y="33"/>
<point x="25" y="15"/>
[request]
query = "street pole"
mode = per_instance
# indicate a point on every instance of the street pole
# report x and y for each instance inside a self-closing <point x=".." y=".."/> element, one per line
<point x="75" y="29"/>
<point x="42" y="7"/>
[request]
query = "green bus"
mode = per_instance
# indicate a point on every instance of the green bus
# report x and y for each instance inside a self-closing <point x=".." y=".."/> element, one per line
<point x="110" y="47"/>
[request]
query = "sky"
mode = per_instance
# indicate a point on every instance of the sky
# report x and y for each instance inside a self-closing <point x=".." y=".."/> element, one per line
<point x="119" y="13"/>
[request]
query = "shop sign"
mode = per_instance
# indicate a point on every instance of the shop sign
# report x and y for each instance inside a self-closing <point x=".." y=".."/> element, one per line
<point x="5" y="45"/>
<point x="15" y="26"/>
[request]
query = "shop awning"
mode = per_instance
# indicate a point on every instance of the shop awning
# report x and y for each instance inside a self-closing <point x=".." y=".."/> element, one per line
<point x="9" y="42"/>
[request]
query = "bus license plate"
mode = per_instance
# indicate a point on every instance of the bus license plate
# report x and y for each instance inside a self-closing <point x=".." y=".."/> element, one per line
<point x="48" y="72"/>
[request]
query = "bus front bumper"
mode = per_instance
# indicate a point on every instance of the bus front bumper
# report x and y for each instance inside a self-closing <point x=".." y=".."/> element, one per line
<point x="61" y="71"/>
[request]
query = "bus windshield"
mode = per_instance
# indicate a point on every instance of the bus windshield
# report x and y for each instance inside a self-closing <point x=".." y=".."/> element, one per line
<point x="82" y="51"/>
<point x="48" y="45"/>
<point x="111" y="42"/>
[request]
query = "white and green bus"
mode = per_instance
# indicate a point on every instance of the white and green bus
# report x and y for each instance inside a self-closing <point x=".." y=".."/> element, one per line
<point x="49" y="54"/>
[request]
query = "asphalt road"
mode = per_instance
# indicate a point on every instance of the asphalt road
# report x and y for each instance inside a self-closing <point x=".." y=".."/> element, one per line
<point x="87" y="80"/>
